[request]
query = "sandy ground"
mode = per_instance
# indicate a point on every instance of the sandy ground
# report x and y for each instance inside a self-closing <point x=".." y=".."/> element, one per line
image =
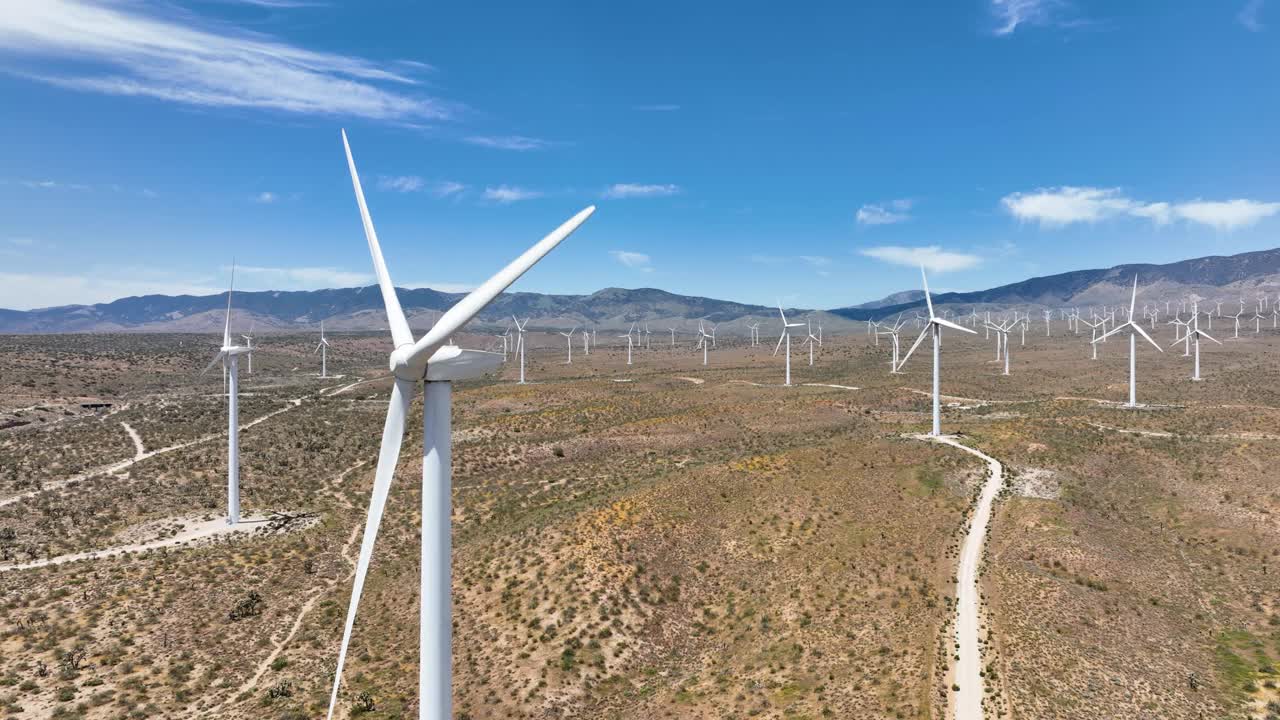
<point x="191" y="532"/>
<point x="967" y="673"/>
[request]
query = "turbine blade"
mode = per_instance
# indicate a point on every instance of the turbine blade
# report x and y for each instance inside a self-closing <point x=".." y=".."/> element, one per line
<point x="469" y="306"/>
<point x="1133" y="300"/>
<point x="1206" y="335"/>
<point x="388" y="456"/>
<point x="914" y="345"/>
<point x="226" y="329"/>
<point x="953" y="326"/>
<point x="213" y="362"/>
<point x="1144" y="334"/>
<point x="927" y="299"/>
<point x="778" y="347"/>
<point x="400" y="332"/>
<point x="1110" y="332"/>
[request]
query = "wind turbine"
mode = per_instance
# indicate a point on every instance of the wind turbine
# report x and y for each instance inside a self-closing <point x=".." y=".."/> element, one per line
<point x="569" y="341"/>
<point x="786" y="335"/>
<point x="1002" y="338"/>
<point x="1196" y="333"/>
<point x="892" y="332"/>
<point x="1134" y="330"/>
<point x="519" y="342"/>
<point x="436" y="364"/>
<point x="810" y="340"/>
<point x="628" y="337"/>
<point x="229" y="356"/>
<point x="323" y="348"/>
<point x="648" y="336"/>
<point x="673" y="338"/>
<point x="248" y="342"/>
<point x="704" y="340"/>
<point x="934" y="328"/>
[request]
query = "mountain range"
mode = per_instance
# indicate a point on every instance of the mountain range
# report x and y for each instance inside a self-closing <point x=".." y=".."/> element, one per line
<point x="1212" y="278"/>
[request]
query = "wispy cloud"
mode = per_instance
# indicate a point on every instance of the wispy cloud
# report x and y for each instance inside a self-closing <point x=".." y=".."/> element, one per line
<point x="265" y="198"/>
<point x="932" y="257"/>
<point x="1250" y="16"/>
<point x="299" y="278"/>
<point x="119" y="49"/>
<point x="52" y="185"/>
<point x="816" y="260"/>
<point x="635" y="260"/>
<point x="519" y="143"/>
<point x="1009" y="14"/>
<point x="1067" y="205"/>
<point x="401" y="183"/>
<point x="889" y="213"/>
<point x="661" y="107"/>
<point x="505" y="194"/>
<point x="633" y="190"/>
<point x="413" y="183"/>
<point x="27" y="291"/>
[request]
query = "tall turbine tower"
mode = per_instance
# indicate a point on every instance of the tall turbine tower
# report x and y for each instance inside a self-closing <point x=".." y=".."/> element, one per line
<point x="229" y="356"/>
<point x="520" y="343"/>
<point x="1134" y="331"/>
<point x="436" y="364"/>
<point x="934" y="329"/>
<point x="323" y="348"/>
<point x="786" y="335"/>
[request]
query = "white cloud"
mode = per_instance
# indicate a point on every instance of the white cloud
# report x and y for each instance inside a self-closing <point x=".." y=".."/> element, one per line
<point x="51" y="184"/>
<point x="932" y="257"/>
<point x="888" y="213"/>
<point x="27" y="291"/>
<point x="22" y="241"/>
<point x="1053" y="207"/>
<point x="1249" y="16"/>
<point x="400" y="183"/>
<point x="508" y="142"/>
<point x="447" y="188"/>
<point x="816" y="260"/>
<point x="1057" y="207"/>
<point x="117" y="49"/>
<point x="638" y="261"/>
<point x="505" y="194"/>
<point x="1227" y="215"/>
<point x="661" y="107"/>
<point x="266" y="198"/>
<point x="299" y="278"/>
<point x="633" y="190"/>
<point x="413" y="183"/>
<point x="1010" y="14"/>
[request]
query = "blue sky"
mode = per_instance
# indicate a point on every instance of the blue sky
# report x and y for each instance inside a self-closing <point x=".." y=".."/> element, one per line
<point x="748" y="150"/>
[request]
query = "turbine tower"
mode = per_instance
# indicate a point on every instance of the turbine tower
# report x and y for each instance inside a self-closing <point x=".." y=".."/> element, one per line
<point x="786" y="335"/>
<point x="568" y="337"/>
<point x="934" y="329"/>
<point x="1134" y="331"/>
<point x="1196" y="333"/>
<point x="229" y="356"/>
<point x="520" y="343"/>
<point x="323" y="348"/>
<point x="436" y="363"/>
<point x="248" y="342"/>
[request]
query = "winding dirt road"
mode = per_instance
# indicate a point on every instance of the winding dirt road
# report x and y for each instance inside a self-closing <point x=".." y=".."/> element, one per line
<point x="967" y="672"/>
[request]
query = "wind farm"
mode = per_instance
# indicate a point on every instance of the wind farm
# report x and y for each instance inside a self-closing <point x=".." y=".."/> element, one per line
<point x="691" y="362"/>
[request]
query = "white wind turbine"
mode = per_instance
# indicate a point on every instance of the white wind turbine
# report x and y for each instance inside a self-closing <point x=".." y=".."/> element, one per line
<point x="648" y="336"/>
<point x="519" y="342"/>
<point x="892" y="332"/>
<point x="248" y="342"/>
<point x="704" y="339"/>
<point x="786" y="335"/>
<point x="436" y="364"/>
<point x="628" y="337"/>
<point x="755" y="334"/>
<point x="1002" y="339"/>
<point x="323" y="348"/>
<point x="1134" y="330"/>
<point x="673" y="338"/>
<point x="1196" y="333"/>
<point x="933" y="328"/>
<point x="810" y="340"/>
<point x="569" y="342"/>
<point x="229" y="356"/>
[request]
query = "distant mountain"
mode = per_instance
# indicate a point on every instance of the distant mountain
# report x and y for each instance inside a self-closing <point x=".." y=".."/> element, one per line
<point x="361" y="309"/>
<point x="1211" y="278"/>
<point x="1224" y="278"/>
